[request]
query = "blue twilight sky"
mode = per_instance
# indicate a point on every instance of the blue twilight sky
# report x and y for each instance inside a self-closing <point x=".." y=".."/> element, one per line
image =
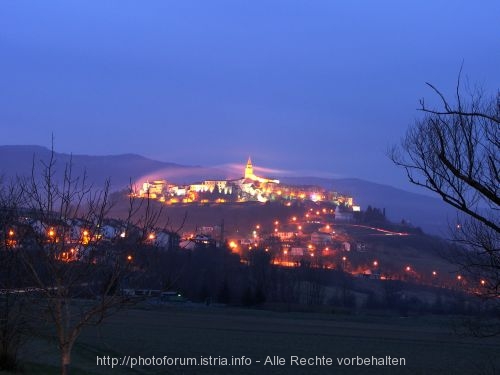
<point x="317" y="87"/>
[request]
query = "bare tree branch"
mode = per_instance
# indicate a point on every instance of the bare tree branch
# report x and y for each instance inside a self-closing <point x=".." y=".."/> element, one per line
<point x="454" y="152"/>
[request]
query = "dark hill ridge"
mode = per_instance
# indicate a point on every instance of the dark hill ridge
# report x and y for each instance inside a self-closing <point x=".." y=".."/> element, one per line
<point x="429" y="213"/>
<point x="120" y="169"/>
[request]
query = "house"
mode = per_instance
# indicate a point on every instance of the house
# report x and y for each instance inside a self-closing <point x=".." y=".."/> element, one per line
<point x="166" y="240"/>
<point x="109" y="232"/>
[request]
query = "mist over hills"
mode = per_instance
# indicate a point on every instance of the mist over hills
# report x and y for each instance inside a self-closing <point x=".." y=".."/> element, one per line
<point x="429" y="213"/>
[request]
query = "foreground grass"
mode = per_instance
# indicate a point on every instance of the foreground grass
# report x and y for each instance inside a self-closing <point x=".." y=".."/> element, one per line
<point x="427" y="343"/>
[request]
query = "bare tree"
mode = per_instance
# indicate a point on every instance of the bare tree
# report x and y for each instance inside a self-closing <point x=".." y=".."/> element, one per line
<point x="454" y="151"/>
<point x="75" y="259"/>
<point x="14" y="325"/>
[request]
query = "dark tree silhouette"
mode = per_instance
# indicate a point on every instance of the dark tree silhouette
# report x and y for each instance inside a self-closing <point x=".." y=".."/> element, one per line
<point x="454" y="151"/>
<point x="57" y="238"/>
<point x="14" y="321"/>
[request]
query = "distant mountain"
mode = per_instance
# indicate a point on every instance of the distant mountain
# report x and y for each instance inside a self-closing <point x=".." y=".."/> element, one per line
<point x="429" y="213"/>
<point x="120" y="169"/>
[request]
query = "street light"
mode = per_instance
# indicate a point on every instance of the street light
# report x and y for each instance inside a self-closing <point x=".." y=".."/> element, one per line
<point x="344" y="258"/>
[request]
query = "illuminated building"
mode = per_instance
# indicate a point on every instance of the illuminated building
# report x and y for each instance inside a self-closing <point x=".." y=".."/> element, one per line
<point x="153" y="189"/>
<point x="249" y="175"/>
<point x="254" y="187"/>
<point x="249" y="170"/>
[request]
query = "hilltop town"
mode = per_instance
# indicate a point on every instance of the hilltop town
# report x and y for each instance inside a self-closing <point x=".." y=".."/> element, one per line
<point x="249" y="188"/>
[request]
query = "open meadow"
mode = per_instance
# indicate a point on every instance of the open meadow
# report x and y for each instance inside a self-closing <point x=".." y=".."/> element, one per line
<point x="427" y="343"/>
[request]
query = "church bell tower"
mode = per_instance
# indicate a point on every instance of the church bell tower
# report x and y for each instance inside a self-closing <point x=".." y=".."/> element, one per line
<point x="249" y="169"/>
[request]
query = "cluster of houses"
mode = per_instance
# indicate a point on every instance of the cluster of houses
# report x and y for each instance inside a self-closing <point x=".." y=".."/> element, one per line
<point x="72" y="237"/>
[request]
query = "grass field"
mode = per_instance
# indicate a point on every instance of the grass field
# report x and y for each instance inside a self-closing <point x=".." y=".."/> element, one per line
<point x="428" y="344"/>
